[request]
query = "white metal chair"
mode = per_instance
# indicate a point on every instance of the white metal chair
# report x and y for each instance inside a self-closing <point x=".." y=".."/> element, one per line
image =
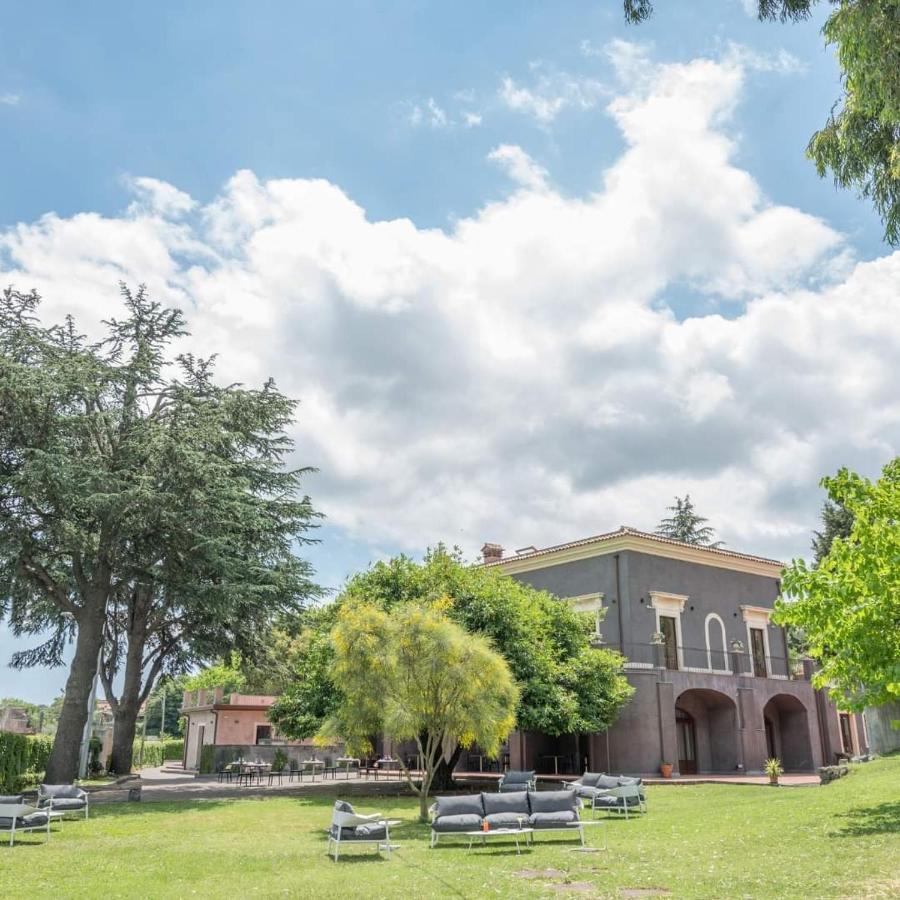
<point x="348" y="827"/>
<point x="621" y="799"/>
<point x="21" y="817"/>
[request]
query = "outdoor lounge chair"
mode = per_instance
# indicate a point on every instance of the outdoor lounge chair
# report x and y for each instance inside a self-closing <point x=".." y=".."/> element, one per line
<point x="65" y="798"/>
<point x="538" y="810"/>
<point x="516" y="780"/>
<point x="348" y="827"/>
<point x="17" y="817"/>
<point x="612" y="793"/>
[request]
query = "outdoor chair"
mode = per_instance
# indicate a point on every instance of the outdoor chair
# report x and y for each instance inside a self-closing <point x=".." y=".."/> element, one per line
<point x="276" y="773"/>
<point x="66" y="798"/>
<point x="17" y="817"/>
<point x="224" y="771"/>
<point x="516" y="780"/>
<point x="611" y="793"/>
<point x="293" y="770"/>
<point x="348" y="827"/>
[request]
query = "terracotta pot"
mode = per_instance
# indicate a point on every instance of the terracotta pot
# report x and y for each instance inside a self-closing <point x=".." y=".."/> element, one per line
<point x="666" y="770"/>
<point x="773" y="780"/>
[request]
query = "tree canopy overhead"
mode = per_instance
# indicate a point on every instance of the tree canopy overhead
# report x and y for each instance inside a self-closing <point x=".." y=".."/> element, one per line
<point x="849" y="604"/>
<point x="145" y="510"/>
<point x="859" y="144"/>
<point x="687" y="525"/>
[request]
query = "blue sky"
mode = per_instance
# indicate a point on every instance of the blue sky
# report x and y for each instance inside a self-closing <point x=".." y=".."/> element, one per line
<point x="463" y="130"/>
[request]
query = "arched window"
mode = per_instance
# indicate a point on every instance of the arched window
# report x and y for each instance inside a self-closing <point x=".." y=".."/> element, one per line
<point x="716" y="650"/>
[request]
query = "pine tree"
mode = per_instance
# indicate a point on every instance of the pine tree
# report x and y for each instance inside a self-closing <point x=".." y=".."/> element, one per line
<point x="686" y="525"/>
<point x="837" y="521"/>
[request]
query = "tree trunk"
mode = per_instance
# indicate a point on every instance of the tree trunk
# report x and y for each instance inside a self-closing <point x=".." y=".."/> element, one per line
<point x="124" y="727"/>
<point x="443" y="774"/>
<point x="62" y="767"/>
<point x="129" y="702"/>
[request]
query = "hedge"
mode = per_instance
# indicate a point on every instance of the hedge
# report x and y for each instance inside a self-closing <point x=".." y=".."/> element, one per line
<point x="157" y="752"/>
<point x="23" y="759"/>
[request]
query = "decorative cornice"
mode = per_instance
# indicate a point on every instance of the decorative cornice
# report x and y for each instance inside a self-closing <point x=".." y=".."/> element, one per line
<point x="665" y="600"/>
<point x="628" y="539"/>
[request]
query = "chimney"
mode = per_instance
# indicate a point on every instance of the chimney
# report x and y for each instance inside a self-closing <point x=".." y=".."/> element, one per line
<point x="492" y="552"/>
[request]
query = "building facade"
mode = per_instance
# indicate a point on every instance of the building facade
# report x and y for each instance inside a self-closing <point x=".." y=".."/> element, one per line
<point x="715" y="689"/>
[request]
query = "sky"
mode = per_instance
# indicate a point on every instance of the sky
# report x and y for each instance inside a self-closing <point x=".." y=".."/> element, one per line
<point x="529" y="271"/>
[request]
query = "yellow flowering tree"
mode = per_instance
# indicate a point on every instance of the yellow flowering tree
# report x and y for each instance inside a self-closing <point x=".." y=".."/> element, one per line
<point x="413" y="674"/>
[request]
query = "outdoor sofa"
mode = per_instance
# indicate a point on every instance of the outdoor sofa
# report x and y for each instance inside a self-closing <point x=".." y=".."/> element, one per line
<point x="348" y="827"/>
<point x="66" y="798"/>
<point x="612" y="793"/>
<point x="538" y="810"/>
<point x="516" y="780"/>
<point x="16" y="817"/>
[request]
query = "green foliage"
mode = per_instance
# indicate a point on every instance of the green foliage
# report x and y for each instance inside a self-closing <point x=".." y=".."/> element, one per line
<point x="226" y="674"/>
<point x="156" y="753"/>
<point x="565" y="686"/>
<point x="849" y="605"/>
<point x="413" y="674"/>
<point x="207" y="759"/>
<point x="23" y="758"/>
<point x="773" y="768"/>
<point x="279" y="760"/>
<point x="686" y="525"/>
<point x="837" y="521"/>
<point x="860" y="142"/>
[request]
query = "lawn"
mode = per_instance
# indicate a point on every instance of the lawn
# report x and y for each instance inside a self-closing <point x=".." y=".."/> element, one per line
<point x="842" y="840"/>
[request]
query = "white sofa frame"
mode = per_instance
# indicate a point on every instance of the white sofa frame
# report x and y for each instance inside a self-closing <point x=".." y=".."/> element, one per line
<point x="16" y="811"/>
<point x="341" y="820"/>
<point x="45" y="802"/>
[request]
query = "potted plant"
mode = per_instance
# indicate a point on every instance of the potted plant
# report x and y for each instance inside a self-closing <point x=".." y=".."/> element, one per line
<point x="773" y="769"/>
<point x="665" y="769"/>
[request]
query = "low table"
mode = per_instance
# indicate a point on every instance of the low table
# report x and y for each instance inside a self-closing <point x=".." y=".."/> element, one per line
<point x="589" y="823"/>
<point x="501" y="832"/>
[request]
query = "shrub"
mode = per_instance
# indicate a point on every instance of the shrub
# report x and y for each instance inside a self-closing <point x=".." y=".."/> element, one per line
<point x="173" y="749"/>
<point x="23" y="758"/>
<point x="207" y="759"/>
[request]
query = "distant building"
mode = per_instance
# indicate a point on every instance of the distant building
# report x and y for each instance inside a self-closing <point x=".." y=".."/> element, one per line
<point x="15" y="719"/>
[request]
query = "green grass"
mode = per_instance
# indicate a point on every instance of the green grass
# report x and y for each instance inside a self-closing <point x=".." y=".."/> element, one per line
<point x="842" y="840"/>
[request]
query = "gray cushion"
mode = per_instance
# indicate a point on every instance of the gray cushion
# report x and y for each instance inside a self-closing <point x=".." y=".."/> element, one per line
<point x="370" y="832"/>
<point x="589" y="779"/>
<point x="605" y="782"/>
<point x="69" y="791"/>
<point x="466" y="804"/>
<point x="612" y="802"/>
<point x="552" y="801"/>
<point x="67" y="803"/>
<point x="552" y="819"/>
<point x="343" y="806"/>
<point x="464" y="822"/>
<point x="12" y="798"/>
<point x="507" y="819"/>
<point x="35" y="820"/>
<point x="515" y="776"/>
<point x="509" y="802"/>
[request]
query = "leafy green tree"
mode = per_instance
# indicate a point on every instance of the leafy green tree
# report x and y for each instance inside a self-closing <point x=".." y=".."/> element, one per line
<point x="849" y="605"/>
<point x="413" y="674"/>
<point x="565" y="686"/>
<point x="145" y="515"/>
<point x="837" y="522"/>
<point x="860" y="142"/>
<point x="686" y="525"/>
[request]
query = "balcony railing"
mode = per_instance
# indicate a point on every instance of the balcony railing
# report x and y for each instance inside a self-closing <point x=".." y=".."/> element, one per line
<point x="710" y="661"/>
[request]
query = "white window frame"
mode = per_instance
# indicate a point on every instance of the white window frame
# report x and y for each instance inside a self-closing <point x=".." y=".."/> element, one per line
<point x="758" y="617"/>
<point x="589" y="603"/>
<point x="709" y="646"/>
<point x="672" y="605"/>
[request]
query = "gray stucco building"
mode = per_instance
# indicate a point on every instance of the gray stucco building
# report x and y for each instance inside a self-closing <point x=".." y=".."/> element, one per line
<point x="715" y="690"/>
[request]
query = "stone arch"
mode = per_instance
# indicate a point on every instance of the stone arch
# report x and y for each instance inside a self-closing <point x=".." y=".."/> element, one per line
<point x="715" y="727"/>
<point x="716" y="651"/>
<point x="786" y="721"/>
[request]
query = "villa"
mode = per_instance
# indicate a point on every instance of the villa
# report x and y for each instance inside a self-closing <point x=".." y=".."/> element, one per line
<point x="716" y="691"/>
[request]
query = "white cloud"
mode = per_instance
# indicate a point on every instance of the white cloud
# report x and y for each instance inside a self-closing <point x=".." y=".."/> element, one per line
<point x="160" y="197"/>
<point x="9" y="99"/>
<point x="430" y="114"/>
<point x="471" y="119"/>
<point x="520" y="167"/>
<point x="550" y="93"/>
<point x="521" y="377"/>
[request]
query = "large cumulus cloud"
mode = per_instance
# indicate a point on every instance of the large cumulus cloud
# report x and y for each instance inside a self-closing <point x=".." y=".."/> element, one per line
<point x="521" y="375"/>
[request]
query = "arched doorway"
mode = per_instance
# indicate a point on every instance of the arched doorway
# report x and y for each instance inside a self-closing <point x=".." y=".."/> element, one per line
<point x="706" y="723"/>
<point x="787" y="732"/>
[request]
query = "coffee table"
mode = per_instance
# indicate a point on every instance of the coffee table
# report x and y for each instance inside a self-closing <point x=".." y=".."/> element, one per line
<point x="501" y="832"/>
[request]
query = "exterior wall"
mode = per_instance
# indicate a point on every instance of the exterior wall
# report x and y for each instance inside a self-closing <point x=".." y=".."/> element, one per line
<point x="238" y="726"/>
<point x="728" y="705"/>
<point x="883" y="738"/>
<point x="196" y="719"/>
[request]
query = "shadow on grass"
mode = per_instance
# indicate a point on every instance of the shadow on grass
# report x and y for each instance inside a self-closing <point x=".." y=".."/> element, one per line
<point x="884" y="818"/>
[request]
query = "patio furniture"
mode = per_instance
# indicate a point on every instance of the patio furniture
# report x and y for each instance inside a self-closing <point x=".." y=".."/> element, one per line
<point x="17" y="817"/>
<point x="501" y="832"/>
<point x="535" y="810"/>
<point x="386" y="765"/>
<point x="276" y="773"/>
<point x="67" y="798"/>
<point x="517" y="780"/>
<point x="348" y="827"/>
<point x="310" y="767"/>
<point x="224" y="772"/>
<point x="611" y="793"/>
<point x="347" y="762"/>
